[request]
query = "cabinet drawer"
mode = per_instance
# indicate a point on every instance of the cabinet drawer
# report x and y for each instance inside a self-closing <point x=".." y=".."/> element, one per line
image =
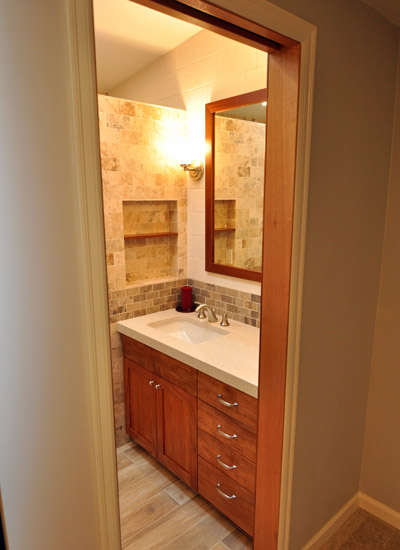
<point x="239" y="509"/>
<point x="221" y="396"/>
<point x="170" y="369"/>
<point x="138" y="352"/>
<point x="175" y="372"/>
<point x="224" y="459"/>
<point x="238" y="437"/>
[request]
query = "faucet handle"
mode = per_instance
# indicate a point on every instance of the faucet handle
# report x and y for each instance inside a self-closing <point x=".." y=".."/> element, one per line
<point x="201" y="314"/>
<point x="224" y="321"/>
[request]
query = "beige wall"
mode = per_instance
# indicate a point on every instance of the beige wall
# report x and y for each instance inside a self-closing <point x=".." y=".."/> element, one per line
<point x="46" y="461"/>
<point x="205" y="68"/>
<point x="350" y="156"/>
<point x="380" y="477"/>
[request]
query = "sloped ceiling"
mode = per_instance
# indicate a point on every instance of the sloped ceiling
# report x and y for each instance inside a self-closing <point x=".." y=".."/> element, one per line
<point x="388" y="8"/>
<point x="129" y="37"/>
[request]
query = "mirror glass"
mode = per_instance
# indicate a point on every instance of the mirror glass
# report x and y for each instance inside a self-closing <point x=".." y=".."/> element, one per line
<point x="235" y="185"/>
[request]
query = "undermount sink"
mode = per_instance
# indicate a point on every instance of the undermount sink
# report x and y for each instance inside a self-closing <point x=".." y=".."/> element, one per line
<point x="189" y="330"/>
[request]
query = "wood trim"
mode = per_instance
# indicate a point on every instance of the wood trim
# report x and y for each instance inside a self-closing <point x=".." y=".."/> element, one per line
<point x="150" y="235"/>
<point x="237" y="100"/>
<point x="212" y="18"/>
<point x="209" y="179"/>
<point x="210" y="109"/>
<point x="283" y="95"/>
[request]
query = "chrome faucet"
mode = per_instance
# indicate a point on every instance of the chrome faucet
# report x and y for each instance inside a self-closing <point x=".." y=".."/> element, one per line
<point x="202" y="309"/>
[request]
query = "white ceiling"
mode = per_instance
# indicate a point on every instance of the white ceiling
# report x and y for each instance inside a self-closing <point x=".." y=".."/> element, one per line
<point x="129" y="37"/>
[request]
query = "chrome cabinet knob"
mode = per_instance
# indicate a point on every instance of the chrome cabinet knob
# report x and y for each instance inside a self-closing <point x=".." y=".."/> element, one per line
<point x="151" y="383"/>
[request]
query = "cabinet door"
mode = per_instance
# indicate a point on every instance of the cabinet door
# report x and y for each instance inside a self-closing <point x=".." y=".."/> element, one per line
<point x="140" y="405"/>
<point x="177" y="431"/>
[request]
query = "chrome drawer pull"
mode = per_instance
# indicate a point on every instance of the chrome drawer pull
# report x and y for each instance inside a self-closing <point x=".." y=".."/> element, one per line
<point x="234" y="467"/>
<point x="232" y="497"/>
<point x="225" y="403"/>
<point x="234" y="436"/>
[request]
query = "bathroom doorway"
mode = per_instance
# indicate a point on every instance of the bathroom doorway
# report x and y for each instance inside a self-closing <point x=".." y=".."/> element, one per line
<point x="277" y="278"/>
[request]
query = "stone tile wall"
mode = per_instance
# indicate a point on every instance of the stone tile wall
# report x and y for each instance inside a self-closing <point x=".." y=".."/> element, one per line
<point x="138" y="165"/>
<point x="206" y="67"/>
<point x="239" y="178"/>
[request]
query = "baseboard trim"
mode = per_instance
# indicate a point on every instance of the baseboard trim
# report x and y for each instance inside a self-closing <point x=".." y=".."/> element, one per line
<point x="379" y="510"/>
<point x="333" y="524"/>
<point x="360" y="500"/>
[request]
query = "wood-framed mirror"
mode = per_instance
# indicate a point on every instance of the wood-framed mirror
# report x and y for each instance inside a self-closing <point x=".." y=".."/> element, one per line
<point x="235" y="174"/>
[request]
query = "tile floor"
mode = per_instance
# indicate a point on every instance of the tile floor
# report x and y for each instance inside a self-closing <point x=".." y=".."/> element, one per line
<point x="158" y="512"/>
<point x="362" y="531"/>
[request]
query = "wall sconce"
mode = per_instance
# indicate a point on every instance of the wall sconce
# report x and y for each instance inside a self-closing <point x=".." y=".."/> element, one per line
<point x="195" y="169"/>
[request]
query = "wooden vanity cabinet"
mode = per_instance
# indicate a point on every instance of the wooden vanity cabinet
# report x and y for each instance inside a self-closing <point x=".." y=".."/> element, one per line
<point x="160" y="415"/>
<point x="201" y="429"/>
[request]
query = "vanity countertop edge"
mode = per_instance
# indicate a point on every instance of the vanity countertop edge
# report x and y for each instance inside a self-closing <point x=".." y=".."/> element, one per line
<point x="232" y="359"/>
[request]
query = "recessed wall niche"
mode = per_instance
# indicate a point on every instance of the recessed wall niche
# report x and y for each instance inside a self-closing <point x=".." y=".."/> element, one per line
<point x="224" y="231"/>
<point x="150" y="236"/>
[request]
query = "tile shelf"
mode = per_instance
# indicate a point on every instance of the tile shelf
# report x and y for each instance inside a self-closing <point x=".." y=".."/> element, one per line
<point x="151" y="235"/>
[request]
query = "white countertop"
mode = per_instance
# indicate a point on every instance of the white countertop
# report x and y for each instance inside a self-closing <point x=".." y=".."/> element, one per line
<point x="232" y="358"/>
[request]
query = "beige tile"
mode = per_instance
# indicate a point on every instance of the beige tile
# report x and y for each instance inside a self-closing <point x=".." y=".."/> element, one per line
<point x="219" y="546"/>
<point x="139" y="466"/>
<point x="122" y="461"/>
<point x="141" y="489"/>
<point x="180" y="492"/>
<point x="135" y="520"/>
<point x="126" y="447"/>
<point x="237" y="541"/>
<point x="203" y="535"/>
<point x="170" y="528"/>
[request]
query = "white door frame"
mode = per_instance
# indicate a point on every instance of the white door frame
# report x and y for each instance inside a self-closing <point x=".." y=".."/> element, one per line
<point x="88" y="180"/>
